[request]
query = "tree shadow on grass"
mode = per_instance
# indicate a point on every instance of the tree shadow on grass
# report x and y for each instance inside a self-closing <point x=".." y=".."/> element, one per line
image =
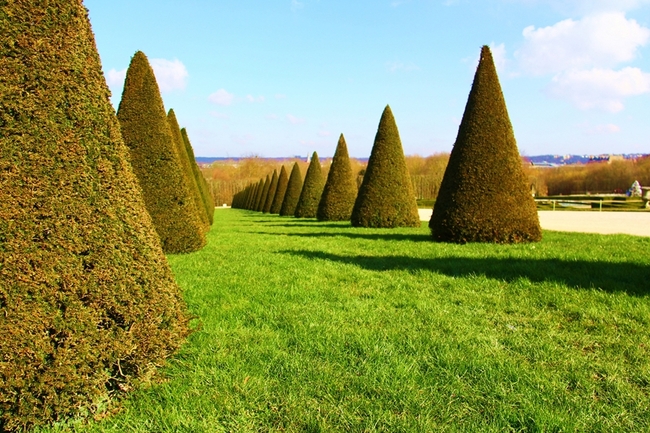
<point x="411" y="237"/>
<point x="315" y="225"/>
<point x="630" y="278"/>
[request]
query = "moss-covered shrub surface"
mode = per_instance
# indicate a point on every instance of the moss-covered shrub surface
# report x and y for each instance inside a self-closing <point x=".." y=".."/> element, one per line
<point x="484" y="196"/>
<point x="88" y="304"/>
<point x="273" y="186"/>
<point x="168" y="195"/>
<point x="340" y="189"/>
<point x="386" y="197"/>
<point x="283" y="181"/>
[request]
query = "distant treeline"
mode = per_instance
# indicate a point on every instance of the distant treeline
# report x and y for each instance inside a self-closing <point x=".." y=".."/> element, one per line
<point x="227" y="177"/>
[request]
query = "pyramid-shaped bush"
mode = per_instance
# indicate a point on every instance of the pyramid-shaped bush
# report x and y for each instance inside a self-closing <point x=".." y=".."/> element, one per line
<point x="340" y="189"/>
<point x="386" y="197"/>
<point x="283" y="181"/>
<point x="258" y="195"/>
<point x="186" y="164"/>
<point x="484" y="196"/>
<point x="271" y="194"/>
<point x="156" y="162"/>
<point x="206" y="197"/>
<point x="252" y="197"/>
<point x="88" y="303"/>
<point x="292" y="195"/>
<point x="264" y="194"/>
<point x="312" y="189"/>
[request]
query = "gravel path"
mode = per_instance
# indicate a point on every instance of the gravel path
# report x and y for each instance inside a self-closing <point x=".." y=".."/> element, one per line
<point x="631" y="223"/>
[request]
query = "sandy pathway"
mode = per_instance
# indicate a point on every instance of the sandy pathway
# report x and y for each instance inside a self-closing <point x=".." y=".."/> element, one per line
<point x="631" y="223"/>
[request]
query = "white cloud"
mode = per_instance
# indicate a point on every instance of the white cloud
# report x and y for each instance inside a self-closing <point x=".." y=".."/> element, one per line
<point x="324" y="133"/>
<point x="600" y="88"/>
<point x="609" y="128"/>
<point x="296" y="5"/>
<point x="221" y="97"/>
<point x="399" y="66"/>
<point x="115" y="78"/>
<point x="251" y="98"/>
<point x="170" y="74"/>
<point x="601" y="40"/>
<point x="280" y="96"/>
<point x="499" y="56"/>
<point x="294" y="120"/>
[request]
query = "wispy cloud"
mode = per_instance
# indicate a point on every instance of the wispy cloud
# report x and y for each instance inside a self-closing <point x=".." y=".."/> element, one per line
<point x="324" y="133"/>
<point x="221" y="97"/>
<point x="280" y="96"/>
<point x="170" y="74"/>
<point x="296" y="5"/>
<point x="251" y="98"/>
<point x="115" y="78"/>
<point x="295" y="120"/>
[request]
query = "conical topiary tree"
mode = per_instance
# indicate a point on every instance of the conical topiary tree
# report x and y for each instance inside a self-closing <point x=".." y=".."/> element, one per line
<point x="271" y="194"/>
<point x="250" y="202"/>
<point x="386" y="197"/>
<point x="484" y="195"/>
<point x="204" y="189"/>
<point x="340" y="189"/>
<point x="156" y="162"/>
<point x="186" y="164"/>
<point x="283" y="181"/>
<point x="292" y="195"/>
<point x="312" y="190"/>
<point x="258" y="195"/>
<point x="265" y="193"/>
<point x="88" y="303"/>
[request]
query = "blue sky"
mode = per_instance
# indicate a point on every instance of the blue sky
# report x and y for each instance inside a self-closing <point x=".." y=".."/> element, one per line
<point x="286" y="77"/>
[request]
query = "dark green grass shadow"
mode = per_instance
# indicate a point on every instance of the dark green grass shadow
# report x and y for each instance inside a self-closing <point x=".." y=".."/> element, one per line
<point x="411" y="237"/>
<point x="630" y="278"/>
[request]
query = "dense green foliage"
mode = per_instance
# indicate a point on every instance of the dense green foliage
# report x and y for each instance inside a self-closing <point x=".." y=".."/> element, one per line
<point x="88" y="304"/>
<point x="312" y="189"/>
<point x="283" y="181"/>
<point x="340" y="189"/>
<point x="318" y="326"/>
<point x="206" y="197"/>
<point x="264" y="194"/>
<point x="271" y="194"/>
<point x="292" y="195"/>
<point x="484" y="196"/>
<point x="386" y="197"/>
<point x="186" y="164"/>
<point x="258" y="195"/>
<point x="156" y="162"/>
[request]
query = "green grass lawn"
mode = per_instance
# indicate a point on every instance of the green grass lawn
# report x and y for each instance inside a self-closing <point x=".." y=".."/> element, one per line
<point x="305" y="327"/>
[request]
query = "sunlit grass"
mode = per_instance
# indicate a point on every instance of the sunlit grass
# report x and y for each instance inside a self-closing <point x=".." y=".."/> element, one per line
<point x="307" y="326"/>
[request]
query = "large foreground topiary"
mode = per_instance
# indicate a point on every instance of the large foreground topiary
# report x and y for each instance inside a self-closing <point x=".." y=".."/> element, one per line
<point x="292" y="194"/>
<point x="386" y="197"/>
<point x="283" y="181"/>
<point x="340" y="189"/>
<point x="156" y="161"/>
<point x="484" y="196"/>
<point x="88" y="304"/>
<point x="312" y="189"/>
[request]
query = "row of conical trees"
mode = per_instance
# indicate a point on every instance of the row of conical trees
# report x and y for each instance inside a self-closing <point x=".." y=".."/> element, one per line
<point x="175" y="192"/>
<point x="384" y="199"/>
<point x="88" y="206"/>
<point x="483" y="197"/>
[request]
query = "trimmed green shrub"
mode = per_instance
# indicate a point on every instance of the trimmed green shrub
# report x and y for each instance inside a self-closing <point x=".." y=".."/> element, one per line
<point x="271" y="194"/>
<point x="283" y="181"/>
<point x="88" y="304"/>
<point x="386" y="197"/>
<point x="186" y="164"/>
<point x="156" y="162"/>
<point x="484" y="196"/>
<point x="252" y="199"/>
<point x="292" y="195"/>
<point x="204" y="190"/>
<point x="265" y="193"/>
<point x="312" y="189"/>
<point x="258" y="195"/>
<point x="340" y="189"/>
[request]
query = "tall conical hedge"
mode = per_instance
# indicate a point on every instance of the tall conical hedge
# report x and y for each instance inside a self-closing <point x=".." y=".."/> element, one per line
<point x="88" y="303"/>
<point x="258" y="195"/>
<point x="484" y="196"/>
<point x="265" y="193"/>
<point x="340" y="189"/>
<point x="252" y="199"/>
<point x="283" y="181"/>
<point x="271" y="194"/>
<point x="292" y="195"/>
<point x="186" y="165"/>
<point x="386" y="197"/>
<point x="156" y="162"/>
<point x="204" y="190"/>
<point x="312" y="190"/>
